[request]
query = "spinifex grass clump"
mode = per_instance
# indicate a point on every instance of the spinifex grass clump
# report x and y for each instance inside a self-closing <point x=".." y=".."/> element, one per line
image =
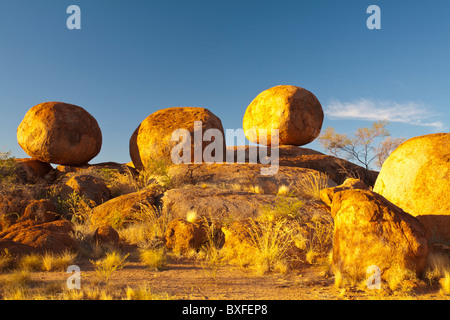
<point x="271" y="242"/>
<point x="57" y="262"/>
<point x="106" y="267"/>
<point x="153" y="258"/>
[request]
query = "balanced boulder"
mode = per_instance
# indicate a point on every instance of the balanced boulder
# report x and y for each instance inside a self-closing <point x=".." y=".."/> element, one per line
<point x="294" y="111"/>
<point x="152" y="140"/>
<point x="61" y="133"/>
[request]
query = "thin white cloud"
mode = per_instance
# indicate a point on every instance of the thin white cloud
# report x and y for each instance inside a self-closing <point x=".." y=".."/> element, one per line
<point x="412" y="113"/>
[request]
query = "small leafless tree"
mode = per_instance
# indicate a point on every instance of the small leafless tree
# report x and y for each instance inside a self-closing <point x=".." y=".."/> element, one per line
<point x="361" y="148"/>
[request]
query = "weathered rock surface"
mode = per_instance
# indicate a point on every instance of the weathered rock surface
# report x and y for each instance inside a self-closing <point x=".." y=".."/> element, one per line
<point x="222" y="204"/>
<point x="152" y="140"/>
<point x="326" y="195"/>
<point x="89" y="187"/>
<point x="291" y="156"/>
<point x="41" y="210"/>
<point x="369" y="230"/>
<point x="31" y="170"/>
<point x="416" y="177"/>
<point x="183" y="236"/>
<point x="38" y="237"/>
<point x="61" y="133"/>
<point x="247" y="176"/>
<point x="437" y="227"/>
<point x="121" y="210"/>
<point x="106" y="234"/>
<point x="294" y="111"/>
<point x="12" y="207"/>
<point x="89" y="168"/>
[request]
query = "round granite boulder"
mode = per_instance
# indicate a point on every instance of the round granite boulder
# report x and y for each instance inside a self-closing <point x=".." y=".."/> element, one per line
<point x="294" y="111"/>
<point x="61" y="133"/>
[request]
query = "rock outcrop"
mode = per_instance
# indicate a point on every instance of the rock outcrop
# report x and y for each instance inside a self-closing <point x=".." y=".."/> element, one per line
<point x="291" y="156"/>
<point x="106" y="234"/>
<point x="124" y="209"/>
<point x="31" y="170"/>
<point x="326" y="195"/>
<point x="245" y="177"/>
<point x="87" y="186"/>
<point x="217" y="204"/>
<point x="34" y="236"/>
<point x="40" y="210"/>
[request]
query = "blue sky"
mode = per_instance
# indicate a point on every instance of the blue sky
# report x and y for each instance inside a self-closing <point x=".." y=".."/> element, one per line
<point x="131" y="58"/>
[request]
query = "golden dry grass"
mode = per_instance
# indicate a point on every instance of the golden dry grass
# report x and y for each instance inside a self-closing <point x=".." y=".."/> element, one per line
<point x="312" y="184"/>
<point x="112" y="262"/>
<point x="155" y="259"/>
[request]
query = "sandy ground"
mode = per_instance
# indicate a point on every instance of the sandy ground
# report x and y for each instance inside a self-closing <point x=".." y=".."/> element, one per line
<point x="188" y="279"/>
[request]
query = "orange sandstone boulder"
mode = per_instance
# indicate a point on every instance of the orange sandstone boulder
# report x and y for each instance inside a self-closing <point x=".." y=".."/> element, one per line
<point x="294" y="111"/>
<point x="61" y="133"/>
<point x="152" y="140"/>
